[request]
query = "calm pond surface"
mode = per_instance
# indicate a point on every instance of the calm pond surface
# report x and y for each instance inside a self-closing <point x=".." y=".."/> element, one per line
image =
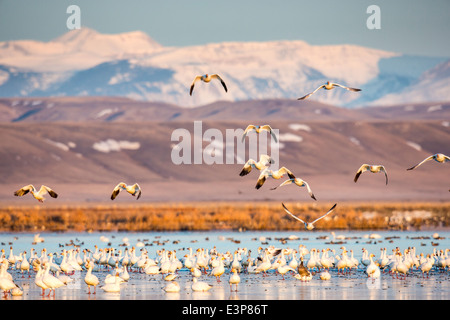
<point x="353" y="286"/>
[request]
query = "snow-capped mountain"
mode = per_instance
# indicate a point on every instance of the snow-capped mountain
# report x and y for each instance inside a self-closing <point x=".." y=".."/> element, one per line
<point x="84" y="63"/>
<point x="432" y="85"/>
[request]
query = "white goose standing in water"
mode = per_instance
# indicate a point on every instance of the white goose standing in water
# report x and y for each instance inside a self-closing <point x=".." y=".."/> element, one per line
<point x="207" y="78"/>
<point x="134" y="190"/>
<point x="38" y="279"/>
<point x="200" y="285"/>
<point x="234" y="279"/>
<point x="373" y="271"/>
<point x="113" y="287"/>
<point x="38" y="195"/>
<point x="6" y="285"/>
<point x="328" y="86"/>
<point x="51" y="281"/>
<point x="438" y="157"/>
<point x="24" y="264"/>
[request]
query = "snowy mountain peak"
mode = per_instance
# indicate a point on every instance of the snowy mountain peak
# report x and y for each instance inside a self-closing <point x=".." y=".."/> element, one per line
<point x="76" y="36"/>
<point x="86" y="62"/>
<point x="86" y="39"/>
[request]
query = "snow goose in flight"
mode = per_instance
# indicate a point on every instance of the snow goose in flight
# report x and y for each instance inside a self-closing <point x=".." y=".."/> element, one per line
<point x="38" y="195"/>
<point x="308" y="225"/>
<point x="328" y="86"/>
<point x="299" y="182"/>
<point x="371" y="168"/>
<point x="134" y="190"/>
<point x="277" y="174"/>
<point x="258" y="129"/>
<point x="264" y="162"/>
<point x="207" y="78"/>
<point x="439" y="157"/>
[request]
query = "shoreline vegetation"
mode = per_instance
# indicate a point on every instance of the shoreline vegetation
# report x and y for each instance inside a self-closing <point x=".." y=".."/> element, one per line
<point x="206" y="216"/>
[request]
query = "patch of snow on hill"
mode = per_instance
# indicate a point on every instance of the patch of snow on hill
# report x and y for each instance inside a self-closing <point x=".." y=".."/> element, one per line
<point x="414" y="145"/>
<point x="299" y="126"/>
<point x="355" y="141"/>
<point x="434" y="108"/>
<point x="4" y="76"/>
<point x="103" y="112"/>
<point x="289" y="137"/>
<point x="111" y="145"/>
<point x="59" y="145"/>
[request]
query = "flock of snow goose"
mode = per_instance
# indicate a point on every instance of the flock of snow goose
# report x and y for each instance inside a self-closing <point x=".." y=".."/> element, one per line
<point x="109" y="271"/>
<point x="262" y="165"/>
<point x="53" y="275"/>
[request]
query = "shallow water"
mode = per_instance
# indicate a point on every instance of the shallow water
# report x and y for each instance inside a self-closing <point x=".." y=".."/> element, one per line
<point x="354" y="286"/>
<point x="230" y="240"/>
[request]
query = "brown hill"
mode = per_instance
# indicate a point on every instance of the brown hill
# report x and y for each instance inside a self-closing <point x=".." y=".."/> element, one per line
<point x="115" y="109"/>
<point x="72" y="158"/>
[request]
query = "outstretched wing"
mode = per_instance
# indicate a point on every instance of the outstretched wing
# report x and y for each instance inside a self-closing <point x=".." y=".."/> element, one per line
<point x="382" y="168"/>
<point x="269" y="129"/>
<point x="262" y="178"/>
<point x="216" y="76"/>
<point x="292" y="215"/>
<point x="117" y="190"/>
<point x="329" y="211"/>
<point x="284" y="183"/>
<point x="266" y="160"/>
<point x="52" y="193"/>
<point x="362" y="169"/>
<point x="197" y="78"/>
<point x="284" y="170"/>
<point x="137" y="191"/>
<point x="24" y="190"/>
<point x="420" y="163"/>
<point x="348" y="88"/>
<point x="246" y="131"/>
<point x="247" y="168"/>
<point x="310" y="94"/>
<point x="311" y="194"/>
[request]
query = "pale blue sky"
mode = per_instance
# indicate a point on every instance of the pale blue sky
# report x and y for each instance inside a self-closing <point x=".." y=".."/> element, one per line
<point x="408" y="26"/>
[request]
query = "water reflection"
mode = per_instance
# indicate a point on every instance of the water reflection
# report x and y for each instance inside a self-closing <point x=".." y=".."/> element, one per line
<point x="172" y="296"/>
<point x="253" y="286"/>
<point x="233" y="296"/>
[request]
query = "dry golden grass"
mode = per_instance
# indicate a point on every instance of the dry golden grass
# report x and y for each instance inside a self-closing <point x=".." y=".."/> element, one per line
<point x="222" y="216"/>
